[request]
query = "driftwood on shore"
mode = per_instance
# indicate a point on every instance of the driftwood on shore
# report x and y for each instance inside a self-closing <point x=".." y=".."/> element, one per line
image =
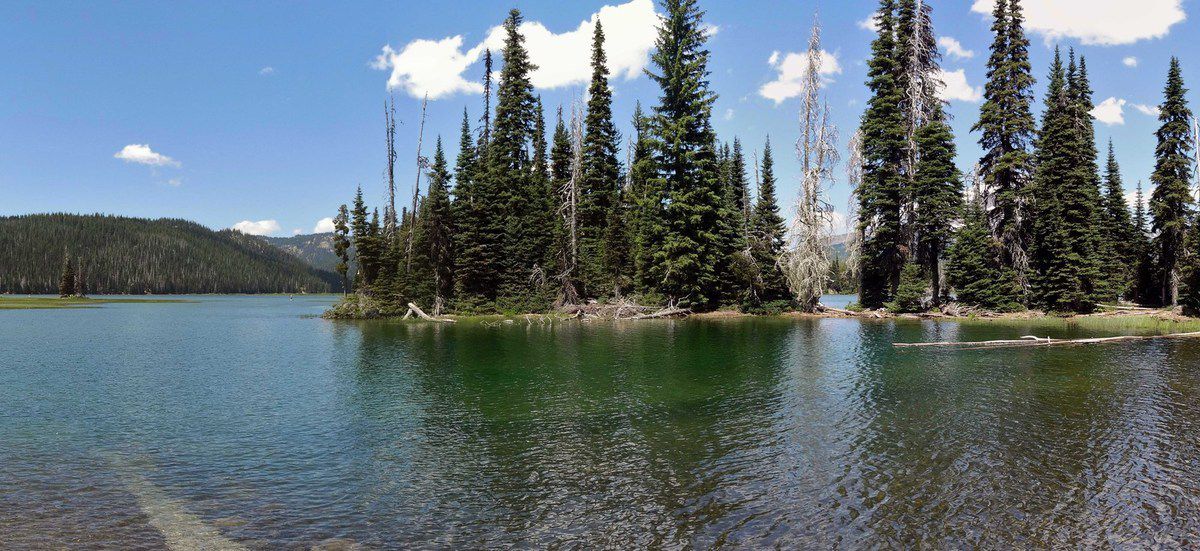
<point x="414" y="309"/>
<point x="1038" y="341"/>
<point x="622" y="310"/>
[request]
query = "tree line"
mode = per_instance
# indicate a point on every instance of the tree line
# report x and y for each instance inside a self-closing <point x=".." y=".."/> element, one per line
<point x="529" y="218"/>
<point x="73" y="254"/>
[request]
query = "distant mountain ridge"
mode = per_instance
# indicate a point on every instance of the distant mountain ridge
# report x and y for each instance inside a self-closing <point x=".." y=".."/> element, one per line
<point x="315" y="249"/>
<point x="123" y="255"/>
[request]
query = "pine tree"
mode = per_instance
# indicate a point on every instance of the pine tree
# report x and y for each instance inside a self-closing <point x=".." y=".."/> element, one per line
<point x="439" y="230"/>
<point x="1007" y="127"/>
<point x="475" y="234"/>
<point x="341" y="245"/>
<point x="1144" y="281"/>
<point x="599" y="269"/>
<point x="1171" y="201"/>
<point x="66" y="282"/>
<point x="768" y="232"/>
<point x="881" y="193"/>
<point x="80" y="279"/>
<point x="938" y="189"/>
<point x="364" y="247"/>
<point x="910" y="295"/>
<point x="1119" y="230"/>
<point x="522" y="208"/>
<point x="735" y="269"/>
<point x="683" y="259"/>
<point x="647" y="200"/>
<point x="975" y="268"/>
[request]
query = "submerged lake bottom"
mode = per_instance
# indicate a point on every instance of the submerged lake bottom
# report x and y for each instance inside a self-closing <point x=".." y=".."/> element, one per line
<point x="247" y="422"/>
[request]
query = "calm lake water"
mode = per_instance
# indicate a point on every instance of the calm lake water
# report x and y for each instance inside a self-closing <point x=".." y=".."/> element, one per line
<point x="245" y="421"/>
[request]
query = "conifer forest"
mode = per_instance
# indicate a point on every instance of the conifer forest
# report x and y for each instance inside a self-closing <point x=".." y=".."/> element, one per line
<point x="548" y="207"/>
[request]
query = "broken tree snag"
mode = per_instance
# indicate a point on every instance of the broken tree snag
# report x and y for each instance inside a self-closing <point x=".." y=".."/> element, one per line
<point x="1038" y="341"/>
<point x="413" y="308"/>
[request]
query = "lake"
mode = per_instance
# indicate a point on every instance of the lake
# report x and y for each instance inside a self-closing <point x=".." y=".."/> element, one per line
<point x="247" y="421"/>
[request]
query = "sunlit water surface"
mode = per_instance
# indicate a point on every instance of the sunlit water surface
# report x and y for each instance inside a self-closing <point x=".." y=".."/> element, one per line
<point x="246" y="421"/>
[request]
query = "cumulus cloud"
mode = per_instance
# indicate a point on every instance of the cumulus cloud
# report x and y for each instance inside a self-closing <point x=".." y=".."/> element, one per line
<point x="1151" y="110"/>
<point x="1110" y="111"/>
<point x="791" y="70"/>
<point x="261" y="227"/>
<point x="436" y="67"/>
<point x="266" y="71"/>
<point x="955" y="48"/>
<point x="142" y="154"/>
<point x="324" y="225"/>
<point x="871" y="23"/>
<point x="1130" y="61"/>
<point x="958" y="89"/>
<point x="1097" y="22"/>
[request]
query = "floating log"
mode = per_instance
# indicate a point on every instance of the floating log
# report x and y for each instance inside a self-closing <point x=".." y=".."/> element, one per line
<point x="1039" y="341"/>
<point x="413" y="308"/>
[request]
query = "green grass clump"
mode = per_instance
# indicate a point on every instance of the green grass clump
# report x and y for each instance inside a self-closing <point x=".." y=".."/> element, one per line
<point x="54" y="303"/>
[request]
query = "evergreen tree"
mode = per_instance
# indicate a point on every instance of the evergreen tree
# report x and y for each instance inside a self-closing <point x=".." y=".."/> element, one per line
<point x="1063" y="252"/>
<point x="938" y="187"/>
<point x="439" y="230"/>
<point x="1007" y="129"/>
<point x="910" y="295"/>
<point x="341" y="245"/>
<point x="1119" y="230"/>
<point x="476" y="235"/>
<point x="883" y="147"/>
<point x="1171" y="202"/>
<point x="364" y="246"/>
<point x="66" y="282"/>
<point x="683" y="260"/>
<point x="767" y="235"/>
<point x="976" y="270"/>
<point x="561" y="171"/>
<point x="647" y="201"/>
<point x="80" y="279"/>
<point x="1145" y="284"/>
<point x="599" y="269"/>
<point x="522" y="207"/>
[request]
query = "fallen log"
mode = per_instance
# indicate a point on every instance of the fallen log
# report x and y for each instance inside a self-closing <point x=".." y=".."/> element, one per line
<point x="664" y="313"/>
<point x="413" y="308"/>
<point x="1038" y="341"/>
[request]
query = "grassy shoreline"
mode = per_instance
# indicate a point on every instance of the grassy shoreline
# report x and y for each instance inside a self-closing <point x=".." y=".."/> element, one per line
<point x="25" y="302"/>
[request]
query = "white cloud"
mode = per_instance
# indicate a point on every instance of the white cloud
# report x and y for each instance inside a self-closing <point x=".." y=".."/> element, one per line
<point x="958" y="89"/>
<point x="297" y="231"/>
<point x="1151" y="110"/>
<point x="266" y="71"/>
<point x="262" y="227"/>
<point x="871" y="23"/>
<point x="1098" y="22"/>
<point x="143" y="155"/>
<point x="175" y="182"/>
<point x="729" y="114"/>
<point x="955" y="48"/>
<point x="1130" y="61"/>
<point x="1110" y="111"/>
<point x="791" y="71"/>
<point x="324" y="225"/>
<point x="774" y="58"/>
<point x="436" y="67"/>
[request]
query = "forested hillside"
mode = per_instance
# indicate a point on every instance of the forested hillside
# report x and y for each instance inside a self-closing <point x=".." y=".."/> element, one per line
<point x="132" y="255"/>
<point x="315" y="249"/>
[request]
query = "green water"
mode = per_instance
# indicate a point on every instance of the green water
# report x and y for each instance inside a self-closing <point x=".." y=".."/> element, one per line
<point x="249" y="422"/>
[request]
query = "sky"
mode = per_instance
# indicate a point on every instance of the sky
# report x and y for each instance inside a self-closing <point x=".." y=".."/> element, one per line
<point x="266" y="115"/>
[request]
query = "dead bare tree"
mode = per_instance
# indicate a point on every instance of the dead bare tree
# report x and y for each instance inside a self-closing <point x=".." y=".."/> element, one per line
<point x="422" y="165"/>
<point x="568" y="208"/>
<point x="805" y="262"/>
<point x="389" y="119"/>
<point x="854" y="178"/>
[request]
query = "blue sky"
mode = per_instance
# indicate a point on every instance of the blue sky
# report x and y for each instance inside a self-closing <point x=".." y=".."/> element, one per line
<point x="271" y="112"/>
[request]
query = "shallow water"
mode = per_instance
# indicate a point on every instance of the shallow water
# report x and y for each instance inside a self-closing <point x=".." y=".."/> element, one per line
<point x="244" y="421"/>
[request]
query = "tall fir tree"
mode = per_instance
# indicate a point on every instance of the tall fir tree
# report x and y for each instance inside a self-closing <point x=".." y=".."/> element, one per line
<point x="476" y="235"/>
<point x="767" y="236"/>
<point x="438" y="228"/>
<point x="1007" y="130"/>
<point x="599" y="270"/>
<point x="364" y="244"/>
<point x="647" y="201"/>
<point x="683" y="259"/>
<point x="66" y="281"/>
<point x="1119" y="231"/>
<point x="1145" y="284"/>
<point x="735" y="270"/>
<point x="883" y="148"/>
<point x="1171" y="202"/>
<point x="341" y="245"/>
<point x="938" y="190"/>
